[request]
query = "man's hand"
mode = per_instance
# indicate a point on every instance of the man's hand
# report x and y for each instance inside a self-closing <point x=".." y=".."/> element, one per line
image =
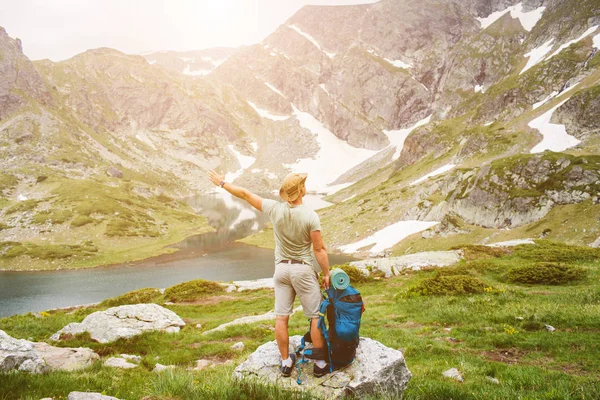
<point x="214" y="177"/>
<point x="326" y="281"/>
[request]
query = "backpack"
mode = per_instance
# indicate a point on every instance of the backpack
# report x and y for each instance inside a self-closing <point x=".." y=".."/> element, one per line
<point x="343" y="309"/>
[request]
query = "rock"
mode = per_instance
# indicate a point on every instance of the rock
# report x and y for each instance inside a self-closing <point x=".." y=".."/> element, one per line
<point x="519" y="318"/>
<point x="493" y="380"/>
<point x="393" y="265"/>
<point x="40" y="357"/>
<point x="240" y="286"/>
<point x="511" y="243"/>
<point x="47" y="398"/>
<point x="550" y="328"/>
<point x="454" y="374"/>
<point x="89" y="396"/>
<point x="199" y="326"/>
<point x="135" y="359"/>
<point x="124" y="322"/>
<point x="160" y="368"/>
<point x="201" y="364"/>
<point x="377" y="369"/>
<point x="66" y="358"/>
<point x="113" y="172"/>
<point x="239" y="346"/>
<point x="117" y="362"/>
<point x="248" y="320"/>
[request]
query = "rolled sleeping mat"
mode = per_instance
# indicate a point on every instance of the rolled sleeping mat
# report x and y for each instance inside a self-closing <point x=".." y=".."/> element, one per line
<point x="339" y="279"/>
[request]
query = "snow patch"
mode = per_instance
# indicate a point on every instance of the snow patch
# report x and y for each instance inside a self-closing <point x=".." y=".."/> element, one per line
<point x="197" y="72"/>
<point x="555" y="136"/>
<point x="438" y="171"/>
<point x="145" y="139"/>
<point x="479" y="88"/>
<point x="398" y="63"/>
<point x="545" y="100"/>
<point x="22" y="197"/>
<point x="336" y="188"/>
<point x="245" y="163"/>
<point x="596" y="40"/>
<point x="265" y="172"/>
<point x="488" y="123"/>
<point x="570" y="42"/>
<point x="536" y="55"/>
<point x="334" y="158"/>
<point x="311" y="39"/>
<point x="273" y="88"/>
<point x="528" y="19"/>
<point x="267" y="114"/>
<point x="397" y="137"/>
<point x="152" y="62"/>
<point x="322" y="86"/>
<point x="389" y="236"/>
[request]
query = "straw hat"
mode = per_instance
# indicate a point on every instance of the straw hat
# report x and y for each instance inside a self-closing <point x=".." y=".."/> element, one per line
<point x="291" y="186"/>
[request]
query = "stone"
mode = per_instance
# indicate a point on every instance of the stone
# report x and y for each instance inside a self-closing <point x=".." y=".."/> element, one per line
<point x="248" y="320"/>
<point x="519" y="318"/>
<point x="114" y="172"/>
<point x="199" y="326"/>
<point x="454" y="374"/>
<point x="550" y="328"/>
<point x="239" y="346"/>
<point x="34" y="357"/>
<point x="394" y="265"/>
<point x="160" y="368"/>
<point x="240" y="286"/>
<point x="135" y="359"/>
<point x="377" y="369"/>
<point x="117" y="362"/>
<point x="493" y="380"/>
<point x="124" y="322"/>
<point x="202" y="364"/>
<point x="89" y="396"/>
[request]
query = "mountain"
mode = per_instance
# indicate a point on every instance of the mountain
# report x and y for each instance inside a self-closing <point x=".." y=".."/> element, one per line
<point x="478" y="116"/>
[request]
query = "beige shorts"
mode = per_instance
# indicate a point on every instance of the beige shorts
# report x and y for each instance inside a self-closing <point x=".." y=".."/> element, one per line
<point x="292" y="279"/>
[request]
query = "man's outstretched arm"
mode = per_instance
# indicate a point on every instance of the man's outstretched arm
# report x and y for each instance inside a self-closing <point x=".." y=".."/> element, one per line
<point x="238" y="191"/>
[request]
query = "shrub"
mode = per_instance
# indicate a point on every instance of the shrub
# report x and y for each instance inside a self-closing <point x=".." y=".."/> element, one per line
<point x="81" y="220"/>
<point x="546" y="250"/>
<point x="192" y="290"/>
<point x="546" y="274"/>
<point x="146" y="295"/>
<point x="12" y="249"/>
<point x="449" y="285"/>
<point x="474" y="251"/>
<point x="22" y="206"/>
<point x="41" y="178"/>
<point x="54" y="217"/>
<point x="355" y="274"/>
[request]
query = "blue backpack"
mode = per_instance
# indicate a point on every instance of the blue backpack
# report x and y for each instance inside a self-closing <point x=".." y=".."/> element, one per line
<point x="343" y="309"/>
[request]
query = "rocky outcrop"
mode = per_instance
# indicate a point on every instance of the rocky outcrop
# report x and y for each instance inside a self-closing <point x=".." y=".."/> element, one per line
<point x="394" y="265"/>
<point x="248" y="320"/>
<point x="89" y="396"/>
<point x="124" y="322"/>
<point x="26" y="356"/>
<point x="376" y="370"/>
<point x="118" y="362"/>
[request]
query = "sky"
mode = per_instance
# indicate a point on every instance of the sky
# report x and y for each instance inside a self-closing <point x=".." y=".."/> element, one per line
<point x="60" y="29"/>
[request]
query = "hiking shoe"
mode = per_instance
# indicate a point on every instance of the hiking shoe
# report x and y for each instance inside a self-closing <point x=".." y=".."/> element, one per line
<point x="318" y="372"/>
<point x="287" y="371"/>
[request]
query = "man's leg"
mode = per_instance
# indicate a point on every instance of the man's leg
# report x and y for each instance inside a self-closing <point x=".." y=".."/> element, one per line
<point x="281" y="335"/>
<point x="315" y="334"/>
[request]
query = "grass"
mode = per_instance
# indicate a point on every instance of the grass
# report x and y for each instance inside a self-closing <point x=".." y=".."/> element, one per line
<point x="192" y="290"/>
<point x="497" y="333"/>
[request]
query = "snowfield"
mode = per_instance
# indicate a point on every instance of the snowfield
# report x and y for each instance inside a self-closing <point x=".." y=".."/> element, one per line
<point x="198" y="72"/>
<point x="389" y="236"/>
<point x="334" y="158"/>
<point x="536" y="55"/>
<point x="438" y="171"/>
<point x="397" y="137"/>
<point x="542" y="102"/>
<point x="528" y="19"/>
<point x="273" y="88"/>
<point x="555" y="136"/>
<point x="398" y="63"/>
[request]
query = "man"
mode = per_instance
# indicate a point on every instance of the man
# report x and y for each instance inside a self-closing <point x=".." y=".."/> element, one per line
<point x="296" y="229"/>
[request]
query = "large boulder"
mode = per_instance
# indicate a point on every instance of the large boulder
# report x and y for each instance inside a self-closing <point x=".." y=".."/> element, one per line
<point x="89" y="396"/>
<point x="27" y="356"/>
<point x="377" y="369"/>
<point x="124" y="322"/>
